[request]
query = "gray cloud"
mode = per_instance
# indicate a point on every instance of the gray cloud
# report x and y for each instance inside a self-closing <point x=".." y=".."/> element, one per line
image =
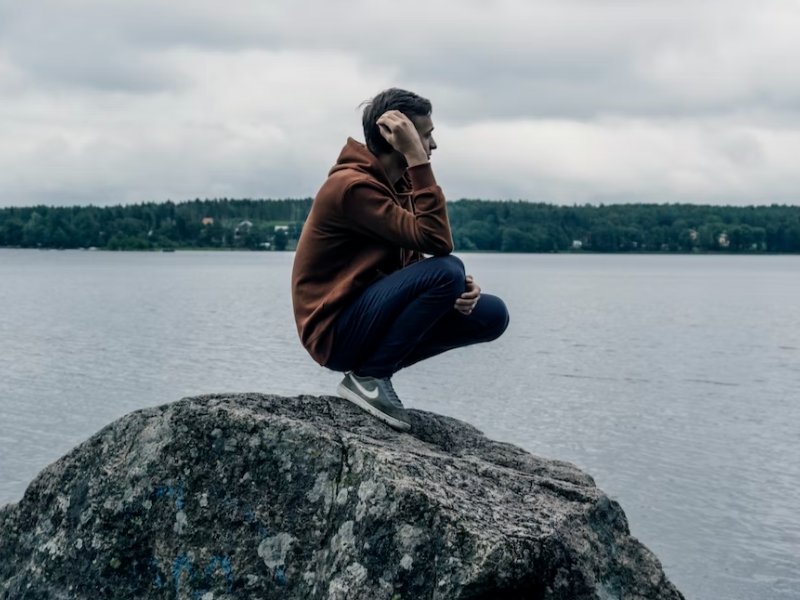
<point x="561" y="100"/>
<point x="576" y="58"/>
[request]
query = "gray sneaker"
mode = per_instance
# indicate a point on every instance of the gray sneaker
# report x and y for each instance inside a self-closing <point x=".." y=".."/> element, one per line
<point x="377" y="397"/>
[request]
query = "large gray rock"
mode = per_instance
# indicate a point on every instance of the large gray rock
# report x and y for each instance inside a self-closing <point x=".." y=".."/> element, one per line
<point x="252" y="496"/>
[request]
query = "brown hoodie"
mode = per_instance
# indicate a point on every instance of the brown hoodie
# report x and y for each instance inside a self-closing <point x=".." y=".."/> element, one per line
<point x="361" y="228"/>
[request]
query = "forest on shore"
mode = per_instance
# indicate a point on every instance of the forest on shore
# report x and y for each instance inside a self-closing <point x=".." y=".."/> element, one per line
<point x="478" y="225"/>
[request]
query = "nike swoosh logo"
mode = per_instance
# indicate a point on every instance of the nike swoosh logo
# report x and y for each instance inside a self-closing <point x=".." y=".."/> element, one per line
<point x="371" y="395"/>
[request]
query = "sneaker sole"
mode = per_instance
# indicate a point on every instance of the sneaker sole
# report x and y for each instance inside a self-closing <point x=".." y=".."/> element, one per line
<point x="350" y="395"/>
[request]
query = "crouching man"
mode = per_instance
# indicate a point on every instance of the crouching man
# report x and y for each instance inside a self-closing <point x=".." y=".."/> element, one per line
<point x="366" y="300"/>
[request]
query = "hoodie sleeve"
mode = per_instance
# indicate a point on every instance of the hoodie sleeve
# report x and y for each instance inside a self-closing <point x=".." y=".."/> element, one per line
<point x="375" y="214"/>
<point x="412" y="256"/>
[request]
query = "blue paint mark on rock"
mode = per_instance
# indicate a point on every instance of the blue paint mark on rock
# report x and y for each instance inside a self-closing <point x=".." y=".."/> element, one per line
<point x="179" y="498"/>
<point x="226" y="565"/>
<point x="280" y="576"/>
<point x="182" y="562"/>
<point x="171" y="492"/>
<point x="154" y="565"/>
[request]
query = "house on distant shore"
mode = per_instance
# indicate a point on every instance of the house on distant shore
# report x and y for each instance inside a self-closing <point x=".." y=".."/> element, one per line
<point x="208" y="221"/>
<point x="241" y="228"/>
<point x="577" y="244"/>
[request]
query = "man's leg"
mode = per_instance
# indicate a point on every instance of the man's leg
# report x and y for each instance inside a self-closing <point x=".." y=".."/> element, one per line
<point x="384" y="325"/>
<point x="392" y="316"/>
<point x="403" y="319"/>
<point x="486" y="323"/>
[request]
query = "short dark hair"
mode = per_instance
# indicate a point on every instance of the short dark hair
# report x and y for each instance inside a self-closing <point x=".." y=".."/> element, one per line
<point x="408" y="103"/>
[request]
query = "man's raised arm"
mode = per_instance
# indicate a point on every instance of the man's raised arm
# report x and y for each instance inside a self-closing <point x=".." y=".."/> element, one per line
<point x="372" y="212"/>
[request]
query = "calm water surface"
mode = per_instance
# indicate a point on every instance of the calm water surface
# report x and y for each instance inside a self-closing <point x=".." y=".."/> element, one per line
<point x="673" y="380"/>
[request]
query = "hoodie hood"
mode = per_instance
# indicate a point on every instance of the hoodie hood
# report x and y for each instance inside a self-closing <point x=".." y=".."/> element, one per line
<point x="356" y="156"/>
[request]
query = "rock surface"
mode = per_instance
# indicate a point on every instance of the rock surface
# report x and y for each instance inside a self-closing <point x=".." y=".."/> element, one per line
<point x="255" y="496"/>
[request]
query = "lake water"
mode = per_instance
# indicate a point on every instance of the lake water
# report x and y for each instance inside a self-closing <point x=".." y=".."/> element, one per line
<point x="673" y="380"/>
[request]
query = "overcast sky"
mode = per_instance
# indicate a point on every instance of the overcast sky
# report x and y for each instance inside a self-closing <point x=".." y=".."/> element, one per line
<point x="559" y="101"/>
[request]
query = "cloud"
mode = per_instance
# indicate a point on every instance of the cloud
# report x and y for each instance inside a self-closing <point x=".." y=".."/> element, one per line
<point x="249" y="124"/>
<point x="623" y="159"/>
<point x="566" y="101"/>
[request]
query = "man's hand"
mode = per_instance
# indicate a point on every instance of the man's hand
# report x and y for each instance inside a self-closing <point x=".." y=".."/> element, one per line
<point x="400" y="132"/>
<point x="466" y="303"/>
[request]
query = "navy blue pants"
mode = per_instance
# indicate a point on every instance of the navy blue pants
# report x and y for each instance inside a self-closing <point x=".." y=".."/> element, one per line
<point x="408" y="316"/>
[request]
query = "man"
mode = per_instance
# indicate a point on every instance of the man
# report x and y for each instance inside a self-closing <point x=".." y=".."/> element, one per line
<point x="366" y="300"/>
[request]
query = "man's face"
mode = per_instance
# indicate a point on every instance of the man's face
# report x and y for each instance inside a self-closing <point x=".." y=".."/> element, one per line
<point x="424" y="127"/>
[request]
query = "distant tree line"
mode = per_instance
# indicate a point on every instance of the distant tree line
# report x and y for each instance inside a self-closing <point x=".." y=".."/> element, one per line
<point x="230" y="224"/>
<point x="477" y="225"/>
<point x="538" y="227"/>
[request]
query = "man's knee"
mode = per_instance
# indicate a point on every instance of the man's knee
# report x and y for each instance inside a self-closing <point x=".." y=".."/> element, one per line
<point x="449" y="270"/>
<point x="450" y="265"/>
<point x="496" y="317"/>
